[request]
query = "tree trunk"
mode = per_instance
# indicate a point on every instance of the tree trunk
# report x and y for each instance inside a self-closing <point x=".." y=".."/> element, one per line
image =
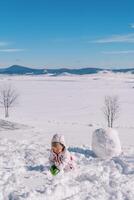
<point x="6" y="112"/>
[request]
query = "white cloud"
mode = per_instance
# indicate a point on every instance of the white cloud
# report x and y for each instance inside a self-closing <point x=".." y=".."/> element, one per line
<point x="119" y="52"/>
<point x="11" y="50"/>
<point x="3" y="43"/>
<point x="132" y="25"/>
<point x="128" y="38"/>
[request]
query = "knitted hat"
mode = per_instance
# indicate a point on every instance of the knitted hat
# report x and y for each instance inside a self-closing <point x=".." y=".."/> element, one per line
<point x="59" y="138"/>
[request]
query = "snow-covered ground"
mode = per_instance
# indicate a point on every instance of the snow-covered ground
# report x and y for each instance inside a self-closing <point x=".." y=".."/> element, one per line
<point x="69" y="105"/>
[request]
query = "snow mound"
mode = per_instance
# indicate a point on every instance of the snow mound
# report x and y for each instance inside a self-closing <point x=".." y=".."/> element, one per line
<point x="7" y="125"/>
<point x="106" y="143"/>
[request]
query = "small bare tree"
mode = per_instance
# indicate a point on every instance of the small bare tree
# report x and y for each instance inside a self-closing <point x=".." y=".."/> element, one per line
<point x="8" y="97"/>
<point x="111" y="109"/>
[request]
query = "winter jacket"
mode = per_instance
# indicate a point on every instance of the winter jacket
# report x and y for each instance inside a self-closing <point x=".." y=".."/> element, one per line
<point x="63" y="160"/>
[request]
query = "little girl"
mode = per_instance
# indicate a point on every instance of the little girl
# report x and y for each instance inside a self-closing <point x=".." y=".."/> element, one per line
<point x="60" y="157"/>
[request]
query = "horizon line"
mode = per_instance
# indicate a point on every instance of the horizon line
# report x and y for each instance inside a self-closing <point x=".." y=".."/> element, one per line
<point x="71" y="68"/>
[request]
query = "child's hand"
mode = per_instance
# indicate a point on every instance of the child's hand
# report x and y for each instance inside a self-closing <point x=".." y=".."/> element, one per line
<point x="54" y="170"/>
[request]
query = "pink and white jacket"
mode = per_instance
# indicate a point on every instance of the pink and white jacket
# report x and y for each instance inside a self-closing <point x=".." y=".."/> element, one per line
<point x="64" y="160"/>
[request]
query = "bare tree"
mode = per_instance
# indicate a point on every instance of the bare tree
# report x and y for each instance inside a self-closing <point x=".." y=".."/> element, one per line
<point x="111" y="109"/>
<point x="8" y="97"/>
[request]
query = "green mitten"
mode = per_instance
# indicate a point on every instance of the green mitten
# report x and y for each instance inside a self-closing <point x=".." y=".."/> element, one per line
<point x="54" y="170"/>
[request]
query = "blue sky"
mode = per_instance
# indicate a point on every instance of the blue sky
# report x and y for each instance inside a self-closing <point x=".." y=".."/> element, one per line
<point x="67" y="33"/>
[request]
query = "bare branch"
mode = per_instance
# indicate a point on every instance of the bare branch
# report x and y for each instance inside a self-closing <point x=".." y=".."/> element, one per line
<point x="111" y="109"/>
<point x="8" y="97"/>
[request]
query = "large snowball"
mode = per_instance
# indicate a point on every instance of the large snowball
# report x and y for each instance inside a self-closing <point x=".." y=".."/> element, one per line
<point x="106" y="143"/>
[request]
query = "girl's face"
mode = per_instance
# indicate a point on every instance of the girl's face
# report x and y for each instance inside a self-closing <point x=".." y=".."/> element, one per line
<point x="57" y="147"/>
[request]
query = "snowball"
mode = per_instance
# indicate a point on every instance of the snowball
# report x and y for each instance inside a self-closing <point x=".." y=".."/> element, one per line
<point x="106" y="143"/>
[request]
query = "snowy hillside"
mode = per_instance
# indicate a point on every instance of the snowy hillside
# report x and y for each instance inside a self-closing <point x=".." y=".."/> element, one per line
<point x="70" y="105"/>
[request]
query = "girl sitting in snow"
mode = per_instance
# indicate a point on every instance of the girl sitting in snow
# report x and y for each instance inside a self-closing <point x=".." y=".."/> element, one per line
<point x="60" y="158"/>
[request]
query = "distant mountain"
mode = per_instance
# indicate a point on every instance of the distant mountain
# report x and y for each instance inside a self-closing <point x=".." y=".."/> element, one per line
<point x="21" y="70"/>
<point x="131" y="70"/>
<point x="81" y="71"/>
<point x="16" y="69"/>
